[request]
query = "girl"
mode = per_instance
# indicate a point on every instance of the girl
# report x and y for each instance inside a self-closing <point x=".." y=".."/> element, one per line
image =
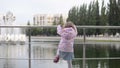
<point x="65" y="48"/>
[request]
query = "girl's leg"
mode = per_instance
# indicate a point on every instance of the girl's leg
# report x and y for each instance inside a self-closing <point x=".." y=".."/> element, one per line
<point x="56" y="59"/>
<point x="57" y="52"/>
<point x="69" y="63"/>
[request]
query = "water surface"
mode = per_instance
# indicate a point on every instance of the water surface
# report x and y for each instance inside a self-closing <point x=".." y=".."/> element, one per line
<point x="43" y="52"/>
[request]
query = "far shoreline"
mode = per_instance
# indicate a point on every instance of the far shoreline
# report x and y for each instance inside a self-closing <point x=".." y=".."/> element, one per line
<point x="96" y="39"/>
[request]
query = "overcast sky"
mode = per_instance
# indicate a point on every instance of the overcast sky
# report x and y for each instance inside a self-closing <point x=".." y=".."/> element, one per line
<point x="25" y="9"/>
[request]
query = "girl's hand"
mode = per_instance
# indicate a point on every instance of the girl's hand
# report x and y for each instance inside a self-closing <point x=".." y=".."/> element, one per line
<point x="75" y="29"/>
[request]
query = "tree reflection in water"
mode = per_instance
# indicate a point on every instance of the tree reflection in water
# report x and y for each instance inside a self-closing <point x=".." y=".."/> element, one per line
<point x="98" y="51"/>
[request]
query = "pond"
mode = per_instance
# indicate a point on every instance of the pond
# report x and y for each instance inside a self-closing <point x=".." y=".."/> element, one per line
<point x="42" y="54"/>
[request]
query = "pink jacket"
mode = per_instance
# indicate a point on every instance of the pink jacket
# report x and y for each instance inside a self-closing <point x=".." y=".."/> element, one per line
<point x="67" y="38"/>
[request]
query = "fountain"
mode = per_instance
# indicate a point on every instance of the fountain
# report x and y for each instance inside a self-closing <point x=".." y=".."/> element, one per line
<point x="11" y="35"/>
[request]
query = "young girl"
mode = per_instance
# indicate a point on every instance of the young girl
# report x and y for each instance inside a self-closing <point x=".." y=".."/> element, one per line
<point x="65" y="48"/>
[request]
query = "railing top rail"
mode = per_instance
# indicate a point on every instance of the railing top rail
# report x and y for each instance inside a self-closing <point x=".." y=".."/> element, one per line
<point x="33" y="26"/>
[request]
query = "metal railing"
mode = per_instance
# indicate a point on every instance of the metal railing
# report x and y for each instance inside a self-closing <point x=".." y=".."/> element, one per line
<point x="84" y="42"/>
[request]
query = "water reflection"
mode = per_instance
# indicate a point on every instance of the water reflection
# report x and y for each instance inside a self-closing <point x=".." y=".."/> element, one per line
<point x="47" y="51"/>
<point x="98" y="51"/>
<point x="13" y="52"/>
<point x="44" y="51"/>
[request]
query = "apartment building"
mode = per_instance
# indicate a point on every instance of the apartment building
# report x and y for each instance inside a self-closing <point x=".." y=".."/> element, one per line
<point x="46" y="19"/>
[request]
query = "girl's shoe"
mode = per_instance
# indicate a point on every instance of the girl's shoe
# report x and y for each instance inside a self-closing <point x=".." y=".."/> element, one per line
<point x="56" y="59"/>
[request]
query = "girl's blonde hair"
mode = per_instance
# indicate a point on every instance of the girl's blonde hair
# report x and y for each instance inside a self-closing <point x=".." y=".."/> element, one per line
<point x="68" y="24"/>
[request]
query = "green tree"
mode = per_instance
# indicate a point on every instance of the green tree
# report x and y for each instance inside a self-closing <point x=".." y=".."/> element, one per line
<point x="96" y="16"/>
<point x="28" y="23"/>
<point x="114" y="15"/>
<point x="89" y="19"/>
<point x="93" y="17"/>
<point x="27" y="29"/>
<point x="73" y="15"/>
<point x="82" y="15"/>
<point x="61" y="22"/>
<point x="104" y="17"/>
<point x="54" y="22"/>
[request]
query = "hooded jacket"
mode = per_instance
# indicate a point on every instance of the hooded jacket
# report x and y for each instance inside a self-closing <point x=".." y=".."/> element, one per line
<point x="67" y="38"/>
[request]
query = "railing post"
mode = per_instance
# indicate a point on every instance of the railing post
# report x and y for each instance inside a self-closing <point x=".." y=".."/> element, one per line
<point x="29" y="64"/>
<point x="84" y="49"/>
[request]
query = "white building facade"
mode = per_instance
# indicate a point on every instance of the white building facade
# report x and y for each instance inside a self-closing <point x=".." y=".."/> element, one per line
<point x="46" y="19"/>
